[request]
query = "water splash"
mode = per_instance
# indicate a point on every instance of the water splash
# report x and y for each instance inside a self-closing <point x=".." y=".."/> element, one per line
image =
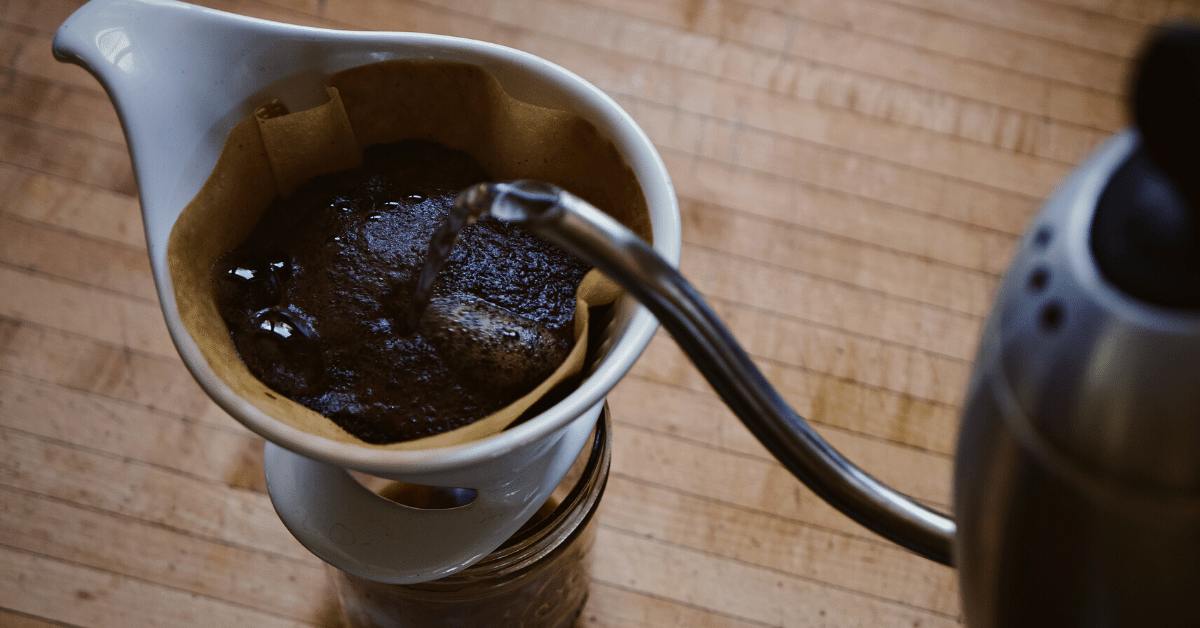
<point x="514" y="202"/>
<point x="462" y="213"/>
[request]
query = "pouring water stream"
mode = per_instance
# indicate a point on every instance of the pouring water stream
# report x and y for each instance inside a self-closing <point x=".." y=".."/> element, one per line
<point x="583" y="230"/>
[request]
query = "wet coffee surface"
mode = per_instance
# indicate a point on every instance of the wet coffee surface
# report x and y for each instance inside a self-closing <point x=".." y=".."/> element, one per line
<point x="317" y="298"/>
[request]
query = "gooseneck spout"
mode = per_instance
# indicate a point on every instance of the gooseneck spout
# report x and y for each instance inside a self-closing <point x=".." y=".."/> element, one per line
<point x="592" y="235"/>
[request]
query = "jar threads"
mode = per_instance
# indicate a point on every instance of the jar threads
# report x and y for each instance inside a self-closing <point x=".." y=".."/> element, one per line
<point x="538" y="578"/>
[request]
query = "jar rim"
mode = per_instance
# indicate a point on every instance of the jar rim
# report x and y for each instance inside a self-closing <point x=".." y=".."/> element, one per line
<point x="553" y="532"/>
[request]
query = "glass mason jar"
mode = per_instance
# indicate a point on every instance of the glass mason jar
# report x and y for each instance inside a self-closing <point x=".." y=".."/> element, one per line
<point x="537" y="579"/>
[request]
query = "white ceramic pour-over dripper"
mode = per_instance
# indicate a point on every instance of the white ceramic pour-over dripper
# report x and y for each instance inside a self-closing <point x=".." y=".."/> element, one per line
<point x="180" y="77"/>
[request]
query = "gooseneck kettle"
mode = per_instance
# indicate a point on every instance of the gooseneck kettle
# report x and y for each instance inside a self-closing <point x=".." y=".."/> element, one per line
<point x="1077" y="475"/>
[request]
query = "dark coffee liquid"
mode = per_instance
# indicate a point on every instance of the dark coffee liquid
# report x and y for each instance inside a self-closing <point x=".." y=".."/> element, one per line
<point x="317" y="299"/>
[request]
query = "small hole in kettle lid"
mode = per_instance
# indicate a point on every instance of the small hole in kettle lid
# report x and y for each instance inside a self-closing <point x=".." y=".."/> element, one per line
<point x="1043" y="236"/>
<point x="1052" y="317"/>
<point x="1038" y="279"/>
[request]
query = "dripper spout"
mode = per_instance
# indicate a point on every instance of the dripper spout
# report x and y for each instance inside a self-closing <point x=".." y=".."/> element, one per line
<point x="586" y="232"/>
<point x="102" y="38"/>
<point x="180" y="76"/>
<point x="96" y="37"/>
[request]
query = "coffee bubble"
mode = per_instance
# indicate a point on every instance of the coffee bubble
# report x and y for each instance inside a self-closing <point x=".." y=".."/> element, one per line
<point x="283" y="353"/>
<point x="495" y="346"/>
<point x="250" y="283"/>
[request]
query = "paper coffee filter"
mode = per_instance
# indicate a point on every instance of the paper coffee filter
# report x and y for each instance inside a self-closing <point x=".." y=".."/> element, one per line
<point x="459" y="105"/>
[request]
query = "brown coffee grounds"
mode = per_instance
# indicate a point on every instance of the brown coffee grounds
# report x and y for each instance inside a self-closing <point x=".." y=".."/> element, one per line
<point x="317" y="295"/>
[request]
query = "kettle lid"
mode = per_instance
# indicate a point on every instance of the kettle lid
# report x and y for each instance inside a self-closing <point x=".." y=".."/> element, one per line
<point x="1146" y="232"/>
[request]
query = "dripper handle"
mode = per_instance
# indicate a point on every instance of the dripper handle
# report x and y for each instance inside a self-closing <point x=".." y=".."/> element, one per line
<point x="583" y="230"/>
<point x="352" y="528"/>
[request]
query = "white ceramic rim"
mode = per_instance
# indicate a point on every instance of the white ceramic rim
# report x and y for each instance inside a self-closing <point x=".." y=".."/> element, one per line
<point x="579" y="95"/>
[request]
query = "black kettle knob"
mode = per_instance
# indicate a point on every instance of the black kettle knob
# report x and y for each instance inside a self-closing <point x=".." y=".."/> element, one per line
<point x="1146" y="232"/>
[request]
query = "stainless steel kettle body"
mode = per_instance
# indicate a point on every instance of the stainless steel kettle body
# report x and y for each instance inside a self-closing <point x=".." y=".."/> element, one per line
<point x="1077" y="475"/>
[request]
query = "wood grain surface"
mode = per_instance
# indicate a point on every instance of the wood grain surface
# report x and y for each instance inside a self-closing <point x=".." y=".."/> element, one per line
<point x="852" y="176"/>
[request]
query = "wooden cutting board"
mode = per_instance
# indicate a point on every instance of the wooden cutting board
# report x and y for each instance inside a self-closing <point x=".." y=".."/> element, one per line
<point x="852" y="177"/>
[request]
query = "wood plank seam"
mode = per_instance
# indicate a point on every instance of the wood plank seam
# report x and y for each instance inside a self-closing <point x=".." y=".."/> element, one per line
<point x="41" y="620"/>
<point x="886" y="249"/>
<point x="53" y="175"/>
<point x="819" y="62"/>
<point x="762" y="360"/>
<point x="801" y="227"/>
<point x="1089" y="11"/>
<point x="492" y="22"/>
<point x="78" y="135"/>
<point x="831" y="108"/>
<point x="150" y="522"/>
<point x="768" y="132"/>
<point x="869" y="157"/>
<point x="786" y="270"/>
<point x="117" y="181"/>
<point x="131" y="323"/>
<point x="753" y="217"/>
<point x="235" y="431"/>
<point x="230" y="429"/>
<point x="842" y="193"/>
<point x="99" y="96"/>
<point x="49" y="226"/>
<point x="1046" y="38"/>
<point x="28" y="30"/>
<point x="911" y="46"/>
<point x="159" y="585"/>
<point x="159" y="410"/>
<point x="853" y="287"/>
<point x="84" y="531"/>
<point x="779" y="572"/>
<point x="863" y="534"/>
<point x="133" y="460"/>
<point x="162" y="526"/>
<point x="654" y="596"/>
<point x="771" y="460"/>
<point x="617" y="53"/>
<point x="100" y="341"/>
<point x="38" y="272"/>
<point x="971" y="292"/>
<point x="715" y="399"/>
<point x="831" y="148"/>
